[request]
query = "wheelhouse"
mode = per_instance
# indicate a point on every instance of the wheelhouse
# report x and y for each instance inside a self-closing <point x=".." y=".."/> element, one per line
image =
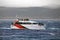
<point x="29" y="22"/>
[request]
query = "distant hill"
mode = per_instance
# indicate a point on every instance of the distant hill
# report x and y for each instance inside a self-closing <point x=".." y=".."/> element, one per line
<point x="33" y="12"/>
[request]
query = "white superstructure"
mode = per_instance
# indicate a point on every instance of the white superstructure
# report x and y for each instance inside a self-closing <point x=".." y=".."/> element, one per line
<point x="27" y="24"/>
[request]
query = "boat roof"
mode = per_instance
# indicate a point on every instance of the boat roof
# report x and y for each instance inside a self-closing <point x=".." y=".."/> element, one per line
<point x="29" y="21"/>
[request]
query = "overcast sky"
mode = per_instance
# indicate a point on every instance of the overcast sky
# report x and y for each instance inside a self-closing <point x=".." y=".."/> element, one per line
<point x="28" y="3"/>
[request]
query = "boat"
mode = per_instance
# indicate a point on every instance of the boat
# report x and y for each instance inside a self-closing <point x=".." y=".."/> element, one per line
<point x="27" y="24"/>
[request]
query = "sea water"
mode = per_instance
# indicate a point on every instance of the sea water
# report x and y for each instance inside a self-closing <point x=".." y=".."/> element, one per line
<point x="52" y="31"/>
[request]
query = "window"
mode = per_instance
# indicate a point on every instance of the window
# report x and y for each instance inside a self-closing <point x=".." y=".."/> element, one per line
<point x="23" y="23"/>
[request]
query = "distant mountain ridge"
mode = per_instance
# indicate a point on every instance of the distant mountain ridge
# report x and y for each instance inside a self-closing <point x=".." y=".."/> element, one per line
<point x="33" y="12"/>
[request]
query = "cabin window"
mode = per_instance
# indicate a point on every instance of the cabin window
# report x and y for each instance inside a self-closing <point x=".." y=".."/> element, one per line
<point x="22" y="23"/>
<point x="28" y="23"/>
<point x="34" y="23"/>
<point x="25" y="23"/>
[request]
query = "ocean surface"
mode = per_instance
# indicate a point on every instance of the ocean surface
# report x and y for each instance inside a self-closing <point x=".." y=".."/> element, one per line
<point x="52" y="31"/>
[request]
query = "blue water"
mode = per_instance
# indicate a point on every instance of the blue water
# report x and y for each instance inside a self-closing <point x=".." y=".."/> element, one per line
<point x="52" y="31"/>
